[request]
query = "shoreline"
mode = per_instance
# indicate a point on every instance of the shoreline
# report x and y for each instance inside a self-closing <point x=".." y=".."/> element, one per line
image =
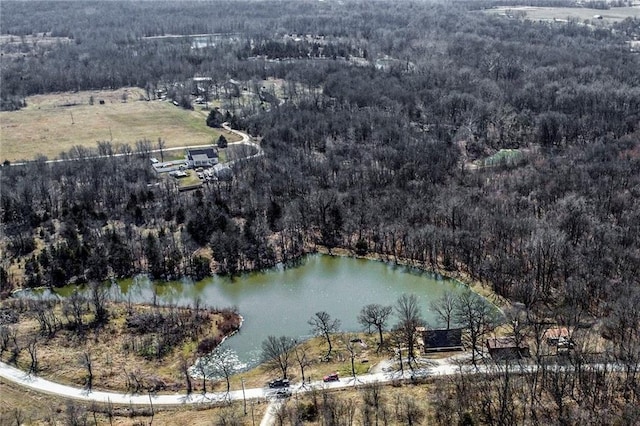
<point x="498" y="301"/>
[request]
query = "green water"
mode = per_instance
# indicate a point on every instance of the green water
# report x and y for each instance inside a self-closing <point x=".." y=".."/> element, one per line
<point x="280" y="301"/>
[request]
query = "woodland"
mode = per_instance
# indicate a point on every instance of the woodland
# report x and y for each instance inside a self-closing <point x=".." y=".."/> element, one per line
<point x="376" y="146"/>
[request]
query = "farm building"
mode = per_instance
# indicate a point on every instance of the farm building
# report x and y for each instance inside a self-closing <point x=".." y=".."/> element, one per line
<point x="442" y="340"/>
<point x="501" y="348"/>
<point x="168" y="166"/>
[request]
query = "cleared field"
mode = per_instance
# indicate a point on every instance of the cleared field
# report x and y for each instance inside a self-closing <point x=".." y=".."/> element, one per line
<point x="614" y="14"/>
<point x="51" y="124"/>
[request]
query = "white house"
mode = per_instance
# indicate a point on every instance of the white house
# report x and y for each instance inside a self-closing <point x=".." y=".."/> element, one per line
<point x="202" y="157"/>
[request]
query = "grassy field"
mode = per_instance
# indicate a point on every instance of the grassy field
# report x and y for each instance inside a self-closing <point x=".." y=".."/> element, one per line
<point x="614" y="14"/>
<point x="51" y="124"/>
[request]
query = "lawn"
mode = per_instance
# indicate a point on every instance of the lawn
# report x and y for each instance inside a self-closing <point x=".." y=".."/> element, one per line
<point x="51" y="124"/>
<point x="191" y="180"/>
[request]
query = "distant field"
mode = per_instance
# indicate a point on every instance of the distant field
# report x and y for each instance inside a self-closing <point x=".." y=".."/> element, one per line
<point x="503" y="156"/>
<point x="51" y="124"/>
<point x="562" y="13"/>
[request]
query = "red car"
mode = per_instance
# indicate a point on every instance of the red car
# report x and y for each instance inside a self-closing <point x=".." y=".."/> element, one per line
<point x="333" y="377"/>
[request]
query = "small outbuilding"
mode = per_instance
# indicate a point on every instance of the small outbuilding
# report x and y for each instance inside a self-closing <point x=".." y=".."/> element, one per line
<point x="559" y="337"/>
<point x="437" y="340"/>
<point x="556" y="336"/>
<point x="501" y="348"/>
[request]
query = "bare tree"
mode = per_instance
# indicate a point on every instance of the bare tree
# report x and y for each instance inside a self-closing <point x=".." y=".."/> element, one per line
<point x="276" y="352"/>
<point x="109" y="411"/>
<point x="32" y="348"/>
<point x="161" y="146"/>
<point x="301" y="352"/>
<point x="409" y="318"/>
<point x="184" y="369"/>
<point x="99" y="297"/>
<point x="74" y="307"/>
<point x="46" y="317"/>
<point x="323" y="325"/>
<point x="410" y="412"/>
<point x="477" y="316"/>
<point x="375" y="315"/>
<point x="5" y="337"/>
<point x="444" y="307"/>
<point x="397" y="340"/>
<point x="18" y="416"/>
<point x="228" y="416"/>
<point x="85" y="361"/>
<point x="222" y="364"/>
<point x="350" y="345"/>
<point x="202" y="369"/>
<point x="373" y="403"/>
<point x="76" y="414"/>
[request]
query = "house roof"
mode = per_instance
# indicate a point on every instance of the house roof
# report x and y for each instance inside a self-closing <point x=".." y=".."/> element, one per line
<point x="557" y="333"/>
<point x="442" y="338"/>
<point x="201" y="154"/>
<point x="505" y="343"/>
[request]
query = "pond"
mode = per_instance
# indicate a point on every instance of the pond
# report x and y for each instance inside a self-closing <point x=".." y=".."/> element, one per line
<point x="280" y="301"/>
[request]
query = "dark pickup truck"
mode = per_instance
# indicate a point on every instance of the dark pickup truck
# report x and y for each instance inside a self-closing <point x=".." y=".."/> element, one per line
<point x="279" y="383"/>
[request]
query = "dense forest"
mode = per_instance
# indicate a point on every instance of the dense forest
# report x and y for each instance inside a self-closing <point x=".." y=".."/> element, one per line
<point x="369" y="158"/>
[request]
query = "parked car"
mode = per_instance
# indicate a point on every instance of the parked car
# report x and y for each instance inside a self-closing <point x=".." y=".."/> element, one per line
<point x="279" y="383"/>
<point x="282" y="393"/>
<point x="333" y="377"/>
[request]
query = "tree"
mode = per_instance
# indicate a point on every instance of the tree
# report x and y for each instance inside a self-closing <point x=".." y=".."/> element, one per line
<point x="215" y="118"/>
<point x="161" y="146"/>
<point x="350" y="345"/>
<point x="409" y="318"/>
<point x="375" y="315"/>
<point x="184" y="369"/>
<point x="32" y="348"/>
<point x="202" y="369"/>
<point x="444" y="308"/>
<point x="373" y="403"/>
<point x="477" y="316"/>
<point x="409" y="411"/>
<point x="85" y="360"/>
<point x="99" y="297"/>
<point x="222" y="142"/>
<point x="74" y="308"/>
<point x="323" y="325"/>
<point x="221" y="364"/>
<point x="301" y="352"/>
<point x="276" y="352"/>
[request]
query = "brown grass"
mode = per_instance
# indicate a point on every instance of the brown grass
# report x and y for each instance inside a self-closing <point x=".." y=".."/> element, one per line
<point x="317" y="348"/>
<point x="39" y="409"/>
<point x="51" y="124"/>
<point x="60" y="357"/>
<point x="392" y="398"/>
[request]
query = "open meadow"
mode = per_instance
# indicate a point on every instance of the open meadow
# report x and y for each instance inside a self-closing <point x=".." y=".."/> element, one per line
<point x="55" y="123"/>
<point x="533" y="13"/>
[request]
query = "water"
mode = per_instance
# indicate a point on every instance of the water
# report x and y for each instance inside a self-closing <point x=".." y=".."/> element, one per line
<point x="280" y="301"/>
